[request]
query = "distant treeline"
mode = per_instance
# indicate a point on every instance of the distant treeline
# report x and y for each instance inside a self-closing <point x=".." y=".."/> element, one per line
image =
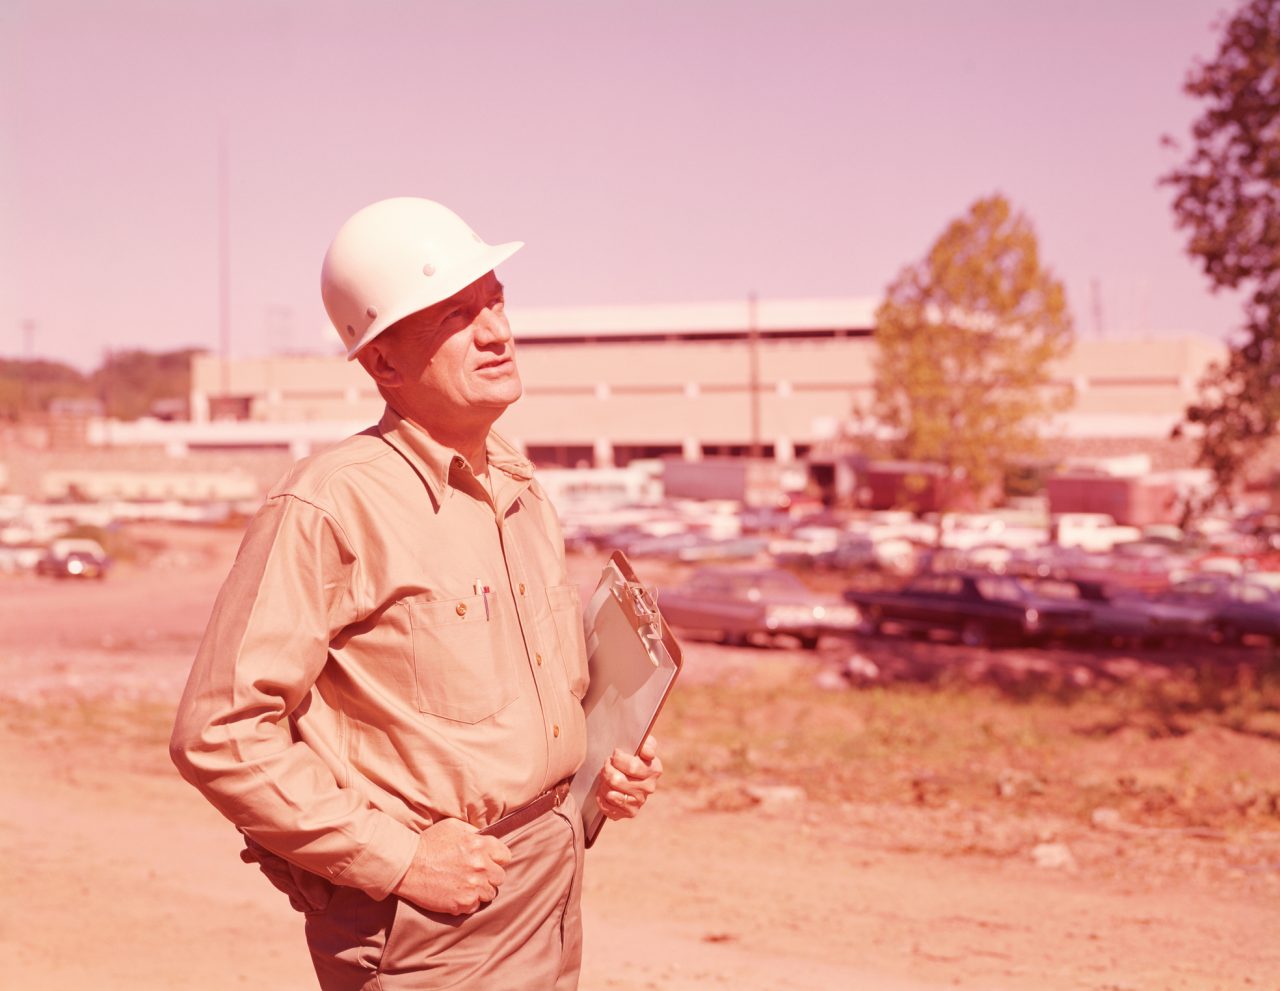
<point x="129" y="384"/>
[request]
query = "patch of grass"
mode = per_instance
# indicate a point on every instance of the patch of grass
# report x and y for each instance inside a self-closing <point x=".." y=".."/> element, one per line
<point x="1244" y="698"/>
<point x="847" y="745"/>
<point x="931" y="745"/>
<point x="129" y="732"/>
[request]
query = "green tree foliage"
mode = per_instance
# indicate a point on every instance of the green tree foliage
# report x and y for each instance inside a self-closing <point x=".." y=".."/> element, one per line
<point x="966" y="338"/>
<point x="29" y="386"/>
<point x="1228" y="200"/>
<point x="131" y="382"/>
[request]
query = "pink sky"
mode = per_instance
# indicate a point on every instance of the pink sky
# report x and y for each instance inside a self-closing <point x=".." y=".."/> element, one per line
<point x="656" y="151"/>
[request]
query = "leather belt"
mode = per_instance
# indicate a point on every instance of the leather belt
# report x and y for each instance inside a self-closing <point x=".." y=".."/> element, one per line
<point x="550" y="799"/>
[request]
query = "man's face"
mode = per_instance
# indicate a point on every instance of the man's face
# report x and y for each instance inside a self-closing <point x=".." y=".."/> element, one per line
<point x="456" y="359"/>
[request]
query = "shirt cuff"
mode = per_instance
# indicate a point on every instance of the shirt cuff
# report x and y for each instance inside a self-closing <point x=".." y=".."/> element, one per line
<point x="383" y="861"/>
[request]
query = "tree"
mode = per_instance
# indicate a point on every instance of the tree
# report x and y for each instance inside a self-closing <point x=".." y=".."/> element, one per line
<point x="1228" y="199"/>
<point x="131" y="382"/>
<point x="128" y="383"/>
<point x="29" y="385"/>
<point x="966" y="338"/>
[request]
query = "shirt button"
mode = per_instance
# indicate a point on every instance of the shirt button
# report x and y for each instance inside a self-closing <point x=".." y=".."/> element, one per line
<point x="555" y="730"/>
<point x="538" y="658"/>
<point x="522" y="588"/>
<point x="462" y="609"/>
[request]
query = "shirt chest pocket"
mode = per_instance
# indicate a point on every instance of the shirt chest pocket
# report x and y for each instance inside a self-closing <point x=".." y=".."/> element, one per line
<point x="460" y="669"/>
<point x="566" y="614"/>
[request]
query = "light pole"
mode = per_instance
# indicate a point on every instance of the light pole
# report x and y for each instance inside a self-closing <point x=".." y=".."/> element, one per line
<point x="753" y="358"/>
<point x="224" y="260"/>
<point x="28" y="352"/>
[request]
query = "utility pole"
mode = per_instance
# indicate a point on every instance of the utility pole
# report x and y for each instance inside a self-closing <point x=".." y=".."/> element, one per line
<point x="278" y="328"/>
<point x="1096" y="292"/>
<point x="104" y="389"/>
<point x="753" y="358"/>
<point x="28" y="354"/>
<point x="224" y="260"/>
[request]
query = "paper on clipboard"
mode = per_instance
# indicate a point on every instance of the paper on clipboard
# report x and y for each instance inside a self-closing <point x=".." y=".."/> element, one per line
<point x="633" y="662"/>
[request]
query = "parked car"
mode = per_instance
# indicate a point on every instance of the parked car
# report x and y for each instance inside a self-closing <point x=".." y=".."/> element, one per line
<point x="740" y="603"/>
<point x="732" y="548"/>
<point x="1264" y="526"/>
<point x="841" y="551"/>
<point x="965" y="531"/>
<point x="668" y="545"/>
<point x="980" y="608"/>
<point x="1050" y="560"/>
<point x="1119" y="612"/>
<point x="71" y="557"/>
<point x="862" y="552"/>
<point x="755" y="519"/>
<point x="1092" y="531"/>
<point x="803" y="544"/>
<point x="1239" y="607"/>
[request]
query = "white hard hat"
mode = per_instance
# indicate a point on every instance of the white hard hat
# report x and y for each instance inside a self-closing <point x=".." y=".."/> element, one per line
<point x="397" y="257"/>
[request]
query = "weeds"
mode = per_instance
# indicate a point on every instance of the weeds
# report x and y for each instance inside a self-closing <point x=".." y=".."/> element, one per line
<point x="1131" y="746"/>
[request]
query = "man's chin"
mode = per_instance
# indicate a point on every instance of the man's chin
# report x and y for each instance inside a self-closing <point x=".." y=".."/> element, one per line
<point x="503" y="396"/>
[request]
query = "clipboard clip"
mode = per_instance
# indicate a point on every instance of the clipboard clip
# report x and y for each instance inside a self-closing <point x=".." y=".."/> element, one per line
<point x="641" y="609"/>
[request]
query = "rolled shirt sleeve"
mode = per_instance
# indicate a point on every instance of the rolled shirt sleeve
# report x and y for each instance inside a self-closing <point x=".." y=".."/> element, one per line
<point x="292" y="589"/>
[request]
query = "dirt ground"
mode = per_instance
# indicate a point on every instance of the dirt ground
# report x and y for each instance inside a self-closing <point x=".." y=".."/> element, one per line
<point x="1029" y="825"/>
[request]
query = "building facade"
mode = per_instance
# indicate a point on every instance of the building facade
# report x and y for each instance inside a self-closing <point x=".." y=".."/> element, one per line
<point x="607" y="385"/>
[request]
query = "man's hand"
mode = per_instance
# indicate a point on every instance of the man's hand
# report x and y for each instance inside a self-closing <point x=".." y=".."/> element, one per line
<point x="455" y="869"/>
<point x="628" y="780"/>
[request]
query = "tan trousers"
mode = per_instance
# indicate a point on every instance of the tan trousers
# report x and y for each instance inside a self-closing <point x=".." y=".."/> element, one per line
<point x="527" y="939"/>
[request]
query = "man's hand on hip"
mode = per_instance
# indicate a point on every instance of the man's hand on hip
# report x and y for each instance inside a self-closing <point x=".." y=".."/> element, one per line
<point x="628" y="780"/>
<point x="455" y="869"/>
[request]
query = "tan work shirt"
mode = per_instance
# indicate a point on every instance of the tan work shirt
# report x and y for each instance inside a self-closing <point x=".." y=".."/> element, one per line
<point x="390" y="648"/>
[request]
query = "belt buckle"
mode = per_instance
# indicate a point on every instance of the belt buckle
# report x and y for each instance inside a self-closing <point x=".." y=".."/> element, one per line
<point x="561" y="792"/>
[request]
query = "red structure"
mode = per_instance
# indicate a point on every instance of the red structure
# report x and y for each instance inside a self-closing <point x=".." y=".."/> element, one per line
<point x="924" y="487"/>
<point x="1129" y="500"/>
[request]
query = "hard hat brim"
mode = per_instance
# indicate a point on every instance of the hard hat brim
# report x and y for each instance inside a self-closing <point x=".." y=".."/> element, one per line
<point x="439" y="287"/>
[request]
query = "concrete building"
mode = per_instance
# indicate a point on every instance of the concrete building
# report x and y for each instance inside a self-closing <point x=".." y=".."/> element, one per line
<point x="605" y="385"/>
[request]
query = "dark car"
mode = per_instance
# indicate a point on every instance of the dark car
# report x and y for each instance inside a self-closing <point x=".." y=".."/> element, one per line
<point x="979" y="608"/>
<point x="74" y="558"/>
<point x="1240" y="608"/>
<point x="1119" y="612"/>
<point x="738" y="604"/>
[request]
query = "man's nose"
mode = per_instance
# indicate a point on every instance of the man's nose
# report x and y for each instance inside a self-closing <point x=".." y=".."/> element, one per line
<point x="492" y="327"/>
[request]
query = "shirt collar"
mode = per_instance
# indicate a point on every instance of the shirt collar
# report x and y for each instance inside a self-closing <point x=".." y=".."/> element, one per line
<point x="434" y="461"/>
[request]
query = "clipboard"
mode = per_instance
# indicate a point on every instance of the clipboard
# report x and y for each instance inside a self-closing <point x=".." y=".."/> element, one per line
<point x="633" y="661"/>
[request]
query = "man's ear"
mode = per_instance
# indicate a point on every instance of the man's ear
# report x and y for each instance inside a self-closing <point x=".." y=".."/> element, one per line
<point x="379" y="361"/>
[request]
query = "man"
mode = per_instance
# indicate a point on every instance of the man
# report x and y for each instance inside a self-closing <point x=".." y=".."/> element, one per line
<point x="387" y="702"/>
